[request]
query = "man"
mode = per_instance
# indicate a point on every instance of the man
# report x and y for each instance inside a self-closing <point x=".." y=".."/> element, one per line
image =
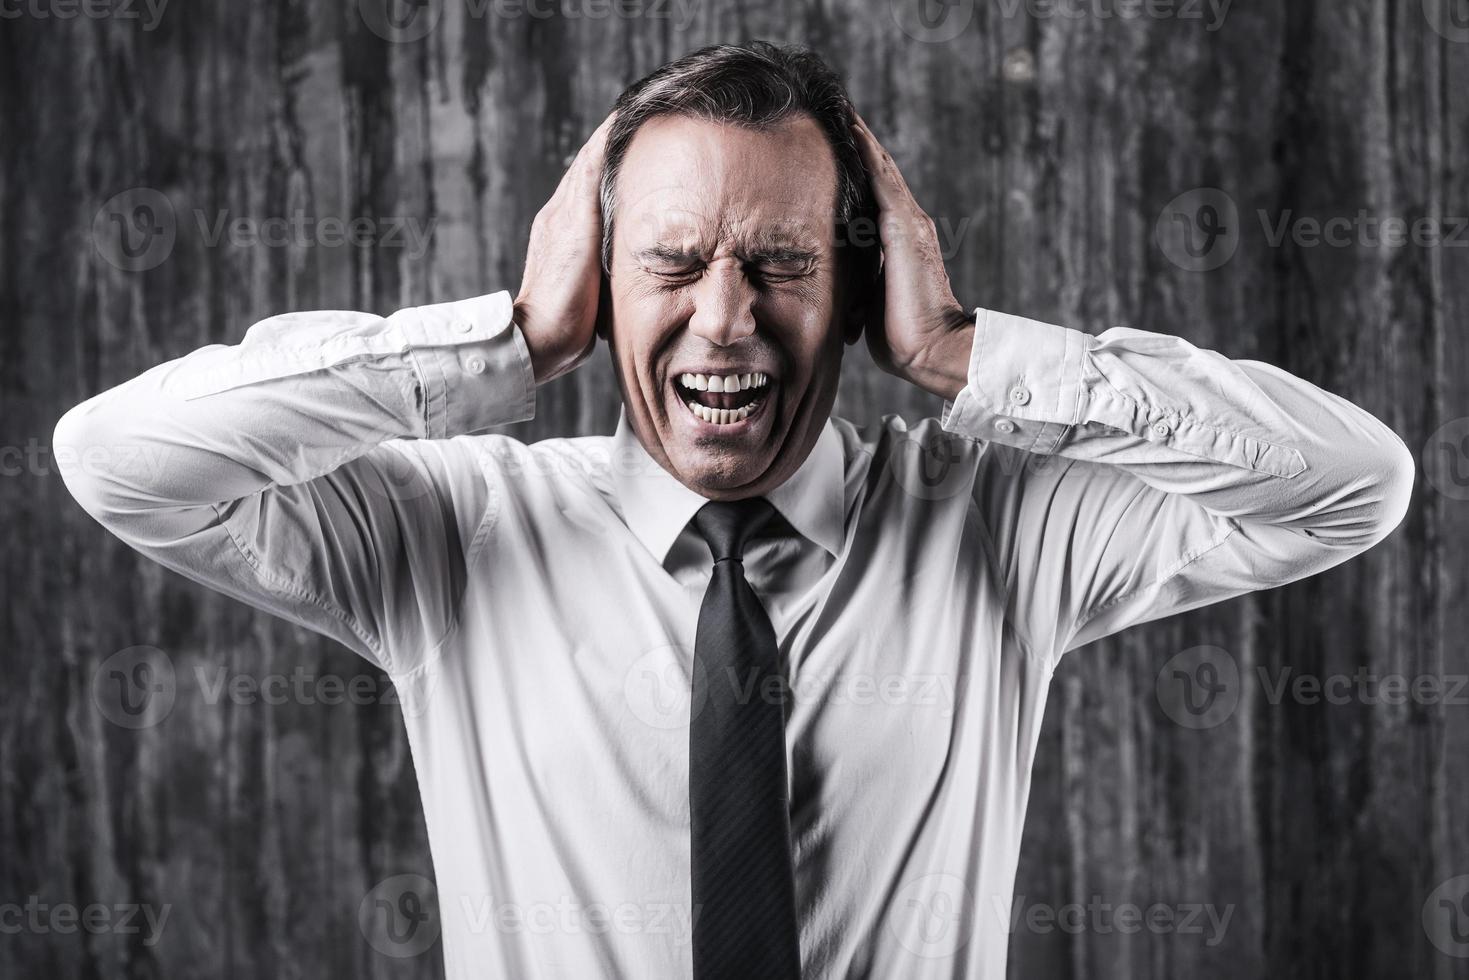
<point x="678" y="684"/>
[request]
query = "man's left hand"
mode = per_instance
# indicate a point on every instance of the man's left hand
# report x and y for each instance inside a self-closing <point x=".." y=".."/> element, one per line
<point x="922" y="334"/>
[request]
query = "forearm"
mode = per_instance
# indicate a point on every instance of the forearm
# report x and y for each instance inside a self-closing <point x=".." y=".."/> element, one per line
<point x="289" y="471"/>
<point x="299" y="396"/>
<point x="1242" y="439"/>
<point x="942" y="367"/>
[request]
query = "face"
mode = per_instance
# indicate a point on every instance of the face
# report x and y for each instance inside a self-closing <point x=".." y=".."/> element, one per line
<point x="725" y="295"/>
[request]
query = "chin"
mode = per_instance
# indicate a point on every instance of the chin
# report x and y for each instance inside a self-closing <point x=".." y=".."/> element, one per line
<point x="716" y="451"/>
<point x="712" y="470"/>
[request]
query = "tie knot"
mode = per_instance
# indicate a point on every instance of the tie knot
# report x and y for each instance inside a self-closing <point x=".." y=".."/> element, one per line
<point x="728" y="524"/>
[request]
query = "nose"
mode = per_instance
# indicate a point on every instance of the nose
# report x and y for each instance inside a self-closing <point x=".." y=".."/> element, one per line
<point x="724" y="303"/>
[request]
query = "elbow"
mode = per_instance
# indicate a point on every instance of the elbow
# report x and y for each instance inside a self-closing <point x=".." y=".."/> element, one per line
<point x="1387" y="492"/>
<point x="86" y="458"/>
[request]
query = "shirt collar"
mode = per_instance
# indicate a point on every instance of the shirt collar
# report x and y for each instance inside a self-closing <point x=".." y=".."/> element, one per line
<point x="657" y="507"/>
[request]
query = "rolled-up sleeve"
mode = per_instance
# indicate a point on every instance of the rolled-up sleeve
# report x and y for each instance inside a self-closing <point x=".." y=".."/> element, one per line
<point x="297" y="470"/>
<point x="1132" y="475"/>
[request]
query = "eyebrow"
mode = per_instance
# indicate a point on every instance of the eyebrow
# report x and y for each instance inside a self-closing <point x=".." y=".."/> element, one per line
<point x="667" y="252"/>
<point x="781" y="253"/>
<point x="761" y="253"/>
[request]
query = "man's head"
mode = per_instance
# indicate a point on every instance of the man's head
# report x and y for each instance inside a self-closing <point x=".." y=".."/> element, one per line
<point x="731" y="180"/>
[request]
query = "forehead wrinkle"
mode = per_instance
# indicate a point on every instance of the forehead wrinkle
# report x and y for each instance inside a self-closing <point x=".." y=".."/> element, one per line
<point x="756" y="243"/>
<point x="749" y="237"/>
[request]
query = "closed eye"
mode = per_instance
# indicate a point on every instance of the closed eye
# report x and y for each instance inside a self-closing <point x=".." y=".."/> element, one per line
<point x="780" y="265"/>
<point x="677" y="268"/>
<point x="676" y="277"/>
<point x="779" y="271"/>
<point x="670" y="264"/>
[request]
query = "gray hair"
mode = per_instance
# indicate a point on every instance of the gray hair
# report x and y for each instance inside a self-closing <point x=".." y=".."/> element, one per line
<point x="759" y="85"/>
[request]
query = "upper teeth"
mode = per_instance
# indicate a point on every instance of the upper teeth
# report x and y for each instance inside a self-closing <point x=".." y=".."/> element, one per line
<point x="723" y="382"/>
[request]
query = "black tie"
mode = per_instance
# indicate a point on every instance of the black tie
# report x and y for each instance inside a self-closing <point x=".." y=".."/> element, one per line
<point x="744" y="896"/>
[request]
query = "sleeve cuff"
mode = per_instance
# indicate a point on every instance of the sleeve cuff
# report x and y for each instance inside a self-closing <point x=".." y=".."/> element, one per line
<point x="1024" y="383"/>
<point x="474" y="364"/>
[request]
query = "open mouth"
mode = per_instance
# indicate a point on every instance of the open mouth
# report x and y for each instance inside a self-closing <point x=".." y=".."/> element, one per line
<point x="724" y="399"/>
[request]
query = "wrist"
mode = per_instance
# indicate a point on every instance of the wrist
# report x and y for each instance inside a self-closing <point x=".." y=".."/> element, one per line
<point x="547" y="360"/>
<point x="941" y="366"/>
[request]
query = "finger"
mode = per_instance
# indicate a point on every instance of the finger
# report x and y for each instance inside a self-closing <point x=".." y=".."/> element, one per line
<point x="589" y="155"/>
<point x="582" y="181"/>
<point x="594" y="150"/>
<point x="597" y="142"/>
<point x="887" y="180"/>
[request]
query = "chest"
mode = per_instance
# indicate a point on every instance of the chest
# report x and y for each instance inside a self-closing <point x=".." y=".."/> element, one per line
<point x="581" y="656"/>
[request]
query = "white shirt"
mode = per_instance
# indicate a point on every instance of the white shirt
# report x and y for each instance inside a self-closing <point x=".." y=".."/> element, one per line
<point x="536" y="604"/>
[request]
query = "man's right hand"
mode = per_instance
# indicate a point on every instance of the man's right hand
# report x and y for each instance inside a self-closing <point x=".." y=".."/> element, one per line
<point x="556" y="308"/>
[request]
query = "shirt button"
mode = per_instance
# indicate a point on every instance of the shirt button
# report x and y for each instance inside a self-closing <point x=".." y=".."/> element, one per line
<point x="1005" y="426"/>
<point x="463" y="326"/>
<point x="1161" y="429"/>
<point x="475" y="365"/>
<point x="1019" y="395"/>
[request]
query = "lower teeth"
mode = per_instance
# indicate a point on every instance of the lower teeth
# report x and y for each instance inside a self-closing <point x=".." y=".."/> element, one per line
<point x="722" y="416"/>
